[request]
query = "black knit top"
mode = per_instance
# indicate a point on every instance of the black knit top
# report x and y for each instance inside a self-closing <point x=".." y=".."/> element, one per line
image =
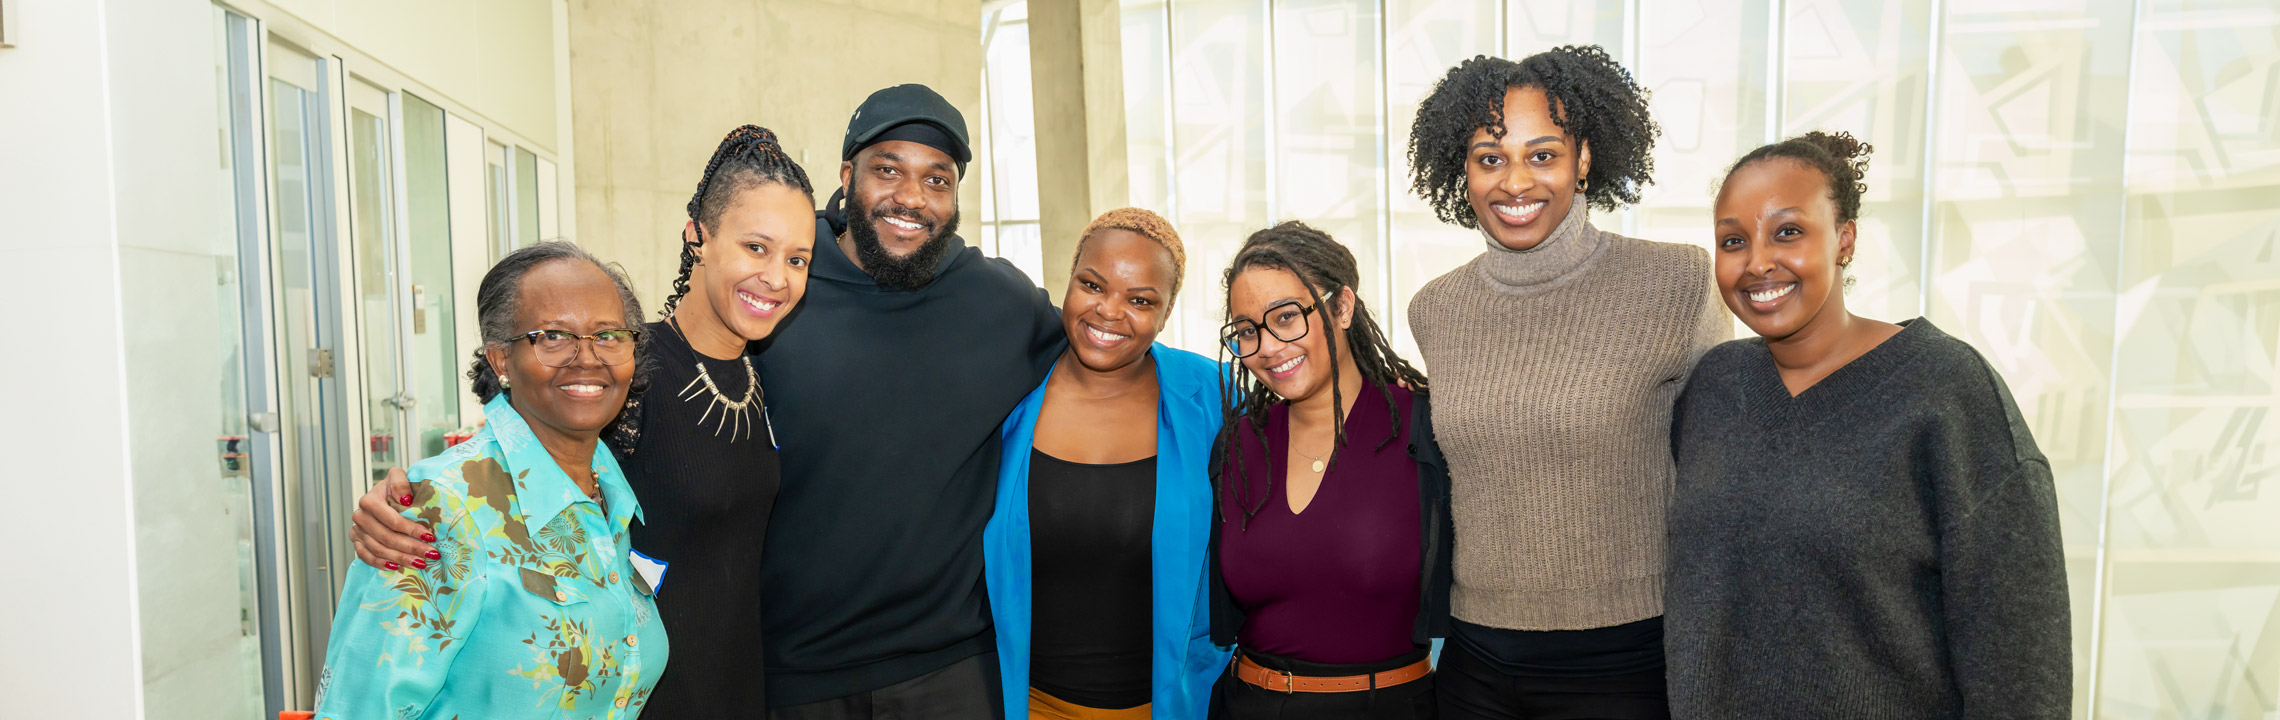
<point x="707" y="476"/>
<point x="1884" y="544"/>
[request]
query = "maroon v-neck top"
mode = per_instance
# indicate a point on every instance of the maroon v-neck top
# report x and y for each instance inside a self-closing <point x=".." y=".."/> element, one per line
<point x="1336" y="584"/>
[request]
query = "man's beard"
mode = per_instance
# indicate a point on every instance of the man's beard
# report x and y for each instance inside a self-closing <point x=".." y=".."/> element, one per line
<point x="899" y="273"/>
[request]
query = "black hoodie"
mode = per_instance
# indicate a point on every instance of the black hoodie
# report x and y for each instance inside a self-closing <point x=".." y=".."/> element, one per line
<point x="887" y="405"/>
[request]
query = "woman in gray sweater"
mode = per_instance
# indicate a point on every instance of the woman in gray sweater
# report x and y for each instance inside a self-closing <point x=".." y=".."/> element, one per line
<point x="1556" y="356"/>
<point x="1863" y="524"/>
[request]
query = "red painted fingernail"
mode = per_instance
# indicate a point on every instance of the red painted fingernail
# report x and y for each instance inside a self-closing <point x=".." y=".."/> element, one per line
<point x="392" y="566"/>
<point x="433" y="555"/>
<point x="418" y="563"/>
<point x="405" y="500"/>
<point x="427" y="537"/>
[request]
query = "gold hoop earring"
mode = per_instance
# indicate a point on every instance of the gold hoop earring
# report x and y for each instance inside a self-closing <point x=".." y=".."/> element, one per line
<point x="1583" y="185"/>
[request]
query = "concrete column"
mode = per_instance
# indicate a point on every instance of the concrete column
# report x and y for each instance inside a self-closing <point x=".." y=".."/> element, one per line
<point x="1077" y="86"/>
<point x="1102" y="29"/>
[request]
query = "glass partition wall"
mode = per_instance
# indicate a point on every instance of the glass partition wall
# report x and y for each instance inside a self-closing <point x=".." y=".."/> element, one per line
<point x="220" y="661"/>
<point x="338" y="305"/>
<point x="311" y="336"/>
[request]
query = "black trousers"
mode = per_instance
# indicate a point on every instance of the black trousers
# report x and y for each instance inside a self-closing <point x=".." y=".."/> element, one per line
<point x="1473" y="689"/>
<point x="966" y="690"/>
<point x="1233" y="699"/>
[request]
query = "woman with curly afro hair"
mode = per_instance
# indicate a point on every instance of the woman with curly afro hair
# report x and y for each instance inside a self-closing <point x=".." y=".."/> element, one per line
<point x="1558" y="353"/>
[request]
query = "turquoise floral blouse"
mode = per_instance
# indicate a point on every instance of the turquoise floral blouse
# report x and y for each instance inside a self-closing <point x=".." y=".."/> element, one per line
<point x="534" y="611"/>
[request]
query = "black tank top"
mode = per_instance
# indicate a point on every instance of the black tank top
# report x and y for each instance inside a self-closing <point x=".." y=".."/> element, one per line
<point x="1089" y="528"/>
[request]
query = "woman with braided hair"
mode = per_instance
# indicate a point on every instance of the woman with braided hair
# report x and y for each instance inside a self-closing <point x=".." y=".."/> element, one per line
<point x="1859" y="502"/>
<point x="697" y="449"/>
<point x="1330" y="569"/>
<point x="1558" y="352"/>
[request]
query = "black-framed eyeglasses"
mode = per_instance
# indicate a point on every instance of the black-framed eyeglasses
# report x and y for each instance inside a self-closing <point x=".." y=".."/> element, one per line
<point x="559" y="348"/>
<point x="1285" y="320"/>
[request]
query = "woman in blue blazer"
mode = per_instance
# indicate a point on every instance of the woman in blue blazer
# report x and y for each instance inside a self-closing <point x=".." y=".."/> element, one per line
<point x="1095" y="559"/>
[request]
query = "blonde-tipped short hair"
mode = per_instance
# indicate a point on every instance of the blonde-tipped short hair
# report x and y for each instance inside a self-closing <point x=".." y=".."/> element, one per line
<point x="1147" y="224"/>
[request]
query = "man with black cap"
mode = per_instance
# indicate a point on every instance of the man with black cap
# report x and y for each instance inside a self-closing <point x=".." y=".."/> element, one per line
<point x="886" y="388"/>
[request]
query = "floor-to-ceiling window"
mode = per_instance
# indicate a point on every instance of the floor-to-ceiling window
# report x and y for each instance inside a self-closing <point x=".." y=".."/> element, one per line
<point x="2086" y="190"/>
<point x="1005" y="149"/>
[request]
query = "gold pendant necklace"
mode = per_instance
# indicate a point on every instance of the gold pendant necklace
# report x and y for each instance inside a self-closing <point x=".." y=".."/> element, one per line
<point x="1318" y="464"/>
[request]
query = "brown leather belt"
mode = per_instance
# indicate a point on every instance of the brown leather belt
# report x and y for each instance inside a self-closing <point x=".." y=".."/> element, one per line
<point x="1283" y="682"/>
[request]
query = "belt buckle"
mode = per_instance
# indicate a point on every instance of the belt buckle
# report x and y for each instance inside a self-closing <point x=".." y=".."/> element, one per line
<point x="1289" y="687"/>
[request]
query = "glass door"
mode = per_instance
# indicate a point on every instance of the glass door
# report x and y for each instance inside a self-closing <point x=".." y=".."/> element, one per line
<point x="526" y="198"/>
<point x="400" y="228"/>
<point x="501" y="195"/>
<point x="373" y="245"/>
<point x="548" y="202"/>
<point x="433" y="356"/>
<point x="246" y="441"/>
<point x="304" y="297"/>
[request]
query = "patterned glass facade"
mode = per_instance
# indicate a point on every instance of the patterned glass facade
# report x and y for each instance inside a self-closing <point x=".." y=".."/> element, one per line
<point x="2086" y="190"/>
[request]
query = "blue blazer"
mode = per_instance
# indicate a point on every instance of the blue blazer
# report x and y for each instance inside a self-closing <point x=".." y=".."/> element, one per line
<point x="1185" y="663"/>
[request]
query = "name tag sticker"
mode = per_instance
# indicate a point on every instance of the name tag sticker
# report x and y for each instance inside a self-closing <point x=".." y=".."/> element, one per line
<point x="652" y="570"/>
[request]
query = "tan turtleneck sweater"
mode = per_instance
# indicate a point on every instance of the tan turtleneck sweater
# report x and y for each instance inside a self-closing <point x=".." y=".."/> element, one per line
<point x="1554" y="372"/>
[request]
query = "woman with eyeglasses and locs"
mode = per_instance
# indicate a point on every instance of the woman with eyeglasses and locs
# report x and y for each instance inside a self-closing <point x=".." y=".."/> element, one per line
<point x="1331" y="537"/>
<point x="1863" y="523"/>
<point x="1095" y="556"/>
<point x="699" y="451"/>
<point x="531" y="606"/>
<point x="1557" y="354"/>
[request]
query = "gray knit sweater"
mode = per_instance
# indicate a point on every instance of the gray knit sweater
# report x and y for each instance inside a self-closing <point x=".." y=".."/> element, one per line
<point x="1554" y="372"/>
<point x="1884" y="545"/>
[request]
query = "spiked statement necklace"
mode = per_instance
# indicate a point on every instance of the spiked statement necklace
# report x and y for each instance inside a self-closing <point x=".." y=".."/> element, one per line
<point x="735" y="415"/>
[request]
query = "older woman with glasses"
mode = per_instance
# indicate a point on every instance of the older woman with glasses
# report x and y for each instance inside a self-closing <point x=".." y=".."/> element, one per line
<point x="701" y="453"/>
<point x="533" y="608"/>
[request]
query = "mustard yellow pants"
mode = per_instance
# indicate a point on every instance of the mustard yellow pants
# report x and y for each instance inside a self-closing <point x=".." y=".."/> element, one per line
<point x="1047" y="707"/>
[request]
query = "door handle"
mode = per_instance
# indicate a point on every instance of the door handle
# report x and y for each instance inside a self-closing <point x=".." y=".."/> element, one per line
<point x="402" y="401"/>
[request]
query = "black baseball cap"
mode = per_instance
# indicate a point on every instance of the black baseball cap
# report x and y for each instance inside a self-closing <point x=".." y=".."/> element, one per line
<point x="902" y="105"/>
